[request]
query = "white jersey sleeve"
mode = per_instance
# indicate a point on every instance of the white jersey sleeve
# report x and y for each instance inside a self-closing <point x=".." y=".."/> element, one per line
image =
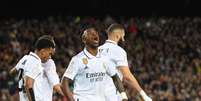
<point x="50" y="71"/>
<point x="110" y="67"/>
<point x="72" y="69"/>
<point x="120" y="58"/>
<point x="32" y="69"/>
<point x="21" y="63"/>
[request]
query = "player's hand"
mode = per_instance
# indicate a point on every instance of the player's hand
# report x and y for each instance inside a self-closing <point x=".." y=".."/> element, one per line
<point x="124" y="100"/>
<point x="147" y="98"/>
<point x="144" y="96"/>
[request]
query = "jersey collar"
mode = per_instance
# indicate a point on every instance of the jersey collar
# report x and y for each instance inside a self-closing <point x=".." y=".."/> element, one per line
<point x="89" y="55"/>
<point x="34" y="55"/>
<point x="110" y="41"/>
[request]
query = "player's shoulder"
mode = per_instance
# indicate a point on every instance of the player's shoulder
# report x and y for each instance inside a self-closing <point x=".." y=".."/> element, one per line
<point x="21" y="62"/>
<point x="50" y="61"/>
<point x="111" y="46"/>
<point x="117" y="48"/>
<point x="121" y="49"/>
<point x="106" y="45"/>
<point x="23" y="58"/>
<point x="78" y="56"/>
<point x="32" y="60"/>
<point x="50" y="64"/>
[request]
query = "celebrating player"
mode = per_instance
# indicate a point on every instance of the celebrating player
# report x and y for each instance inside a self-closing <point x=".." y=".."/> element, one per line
<point x="118" y="57"/>
<point x="88" y="70"/>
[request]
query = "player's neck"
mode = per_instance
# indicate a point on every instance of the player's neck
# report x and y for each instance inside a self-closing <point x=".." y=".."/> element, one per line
<point x="92" y="51"/>
<point x="113" y="39"/>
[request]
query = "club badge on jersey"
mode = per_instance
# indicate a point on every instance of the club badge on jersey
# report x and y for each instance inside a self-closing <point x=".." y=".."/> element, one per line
<point x="85" y="61"/>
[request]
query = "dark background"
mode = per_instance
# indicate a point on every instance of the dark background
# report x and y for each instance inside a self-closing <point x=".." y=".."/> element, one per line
<point x="99" y="7"/>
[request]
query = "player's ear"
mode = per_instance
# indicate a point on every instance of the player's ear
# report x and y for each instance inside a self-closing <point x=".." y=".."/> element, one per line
<point x="118" y="36"/>
<point x="84" y="41"/>
<point x="84" y="36"/>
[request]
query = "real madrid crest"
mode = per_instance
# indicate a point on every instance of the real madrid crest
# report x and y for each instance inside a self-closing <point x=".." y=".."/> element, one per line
<point x="85" y="61"/>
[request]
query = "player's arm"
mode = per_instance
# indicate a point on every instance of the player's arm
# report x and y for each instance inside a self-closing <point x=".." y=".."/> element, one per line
<point x="29" y="88"/>
<point x="66" y="82"/>
<point x="128" y="78"/>
<point x="53" y="77"/>
<point x="69" y="76"/>
<point x="131" y="81"/>
<point x="112" y="72"/>
<point x="31" y="71"/>
<point x="120" y="87"/>
<point x="58" y="89"/>
<point x="122" y="66"/>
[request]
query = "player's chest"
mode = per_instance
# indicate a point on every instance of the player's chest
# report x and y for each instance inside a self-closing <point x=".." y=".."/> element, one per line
<point x="41" y="72"/>
<point x="92" y="65"/>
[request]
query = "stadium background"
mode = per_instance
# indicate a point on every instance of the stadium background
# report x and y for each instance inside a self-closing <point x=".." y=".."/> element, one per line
<point x="163" y="51"/>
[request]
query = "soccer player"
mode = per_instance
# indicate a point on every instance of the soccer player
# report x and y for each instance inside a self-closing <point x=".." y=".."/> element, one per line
<point x="31" y="72"/>
<point x="118" y="57"/>
<point x="88" y="70"/>
<point x="19" y="69"/>
<point x="51" y="80"/>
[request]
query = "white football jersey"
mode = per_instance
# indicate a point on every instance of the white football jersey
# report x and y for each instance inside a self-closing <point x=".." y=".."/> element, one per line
<point x="89" y="73"/>
<point x="20" y="65"/>
<point x="34" y="70"/>
<point x="118" y="57"/>
<point x="51" y="78"/>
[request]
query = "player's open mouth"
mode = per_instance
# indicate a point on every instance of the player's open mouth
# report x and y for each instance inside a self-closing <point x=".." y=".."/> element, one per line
<point x="96" y="40"/>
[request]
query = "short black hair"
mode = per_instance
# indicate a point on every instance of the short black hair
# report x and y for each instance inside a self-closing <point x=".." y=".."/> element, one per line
<point x="87" y="28"/>
<point x="45" y="41"/>
<point x="114" y="26"/>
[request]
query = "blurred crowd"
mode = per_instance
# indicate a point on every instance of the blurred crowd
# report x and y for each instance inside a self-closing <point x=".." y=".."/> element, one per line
<point x="164" y="53"/>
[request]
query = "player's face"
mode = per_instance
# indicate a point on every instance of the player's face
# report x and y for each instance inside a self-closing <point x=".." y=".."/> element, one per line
<point x="47" y="53"/>
<point x="92" y="38"/>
